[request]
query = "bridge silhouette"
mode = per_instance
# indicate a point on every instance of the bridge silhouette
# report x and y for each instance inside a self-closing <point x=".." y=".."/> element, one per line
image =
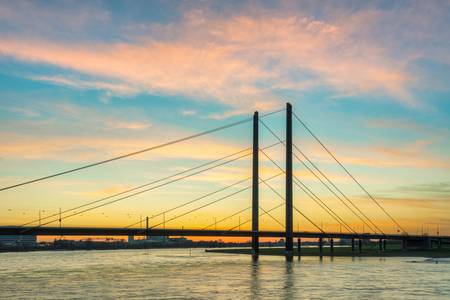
<point x="41" y="226"/>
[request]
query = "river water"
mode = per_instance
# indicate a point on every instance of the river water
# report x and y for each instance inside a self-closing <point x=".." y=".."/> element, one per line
<point x="194" y="274"/>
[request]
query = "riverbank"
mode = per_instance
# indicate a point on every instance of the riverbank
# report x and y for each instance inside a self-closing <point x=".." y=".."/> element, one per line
<point x="73" y="245"/>
<point x="343" y="252"/>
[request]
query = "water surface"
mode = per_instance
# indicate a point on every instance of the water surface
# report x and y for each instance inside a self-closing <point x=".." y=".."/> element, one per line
<point x="180" y="273"/>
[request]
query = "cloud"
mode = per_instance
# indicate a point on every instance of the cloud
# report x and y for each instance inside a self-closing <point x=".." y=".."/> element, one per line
<point x="70" y="132"/>
<point x="407" y="125"/>
<point x="131" y="125"/>
<point x="395" y="124"/>
<point x="416" y="153"/>
<point x="58" y="19"/>
<point x="84" y="148"/>
<point x="242" y="61"/>
<point x="188" y="112"/>
<point x="440" y="189"/>
<point x="24" y="111"/>
<point x="119" y="89"/>
<point x="433" y="204"/>
<point x="151" y="67"/>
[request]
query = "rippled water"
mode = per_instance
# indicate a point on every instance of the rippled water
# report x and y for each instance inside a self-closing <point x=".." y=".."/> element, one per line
<point x="174" y="273"/>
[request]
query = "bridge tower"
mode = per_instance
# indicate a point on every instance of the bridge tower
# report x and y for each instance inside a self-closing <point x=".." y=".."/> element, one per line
<point x="289" y="234"/>
<point x="255" y="188"/>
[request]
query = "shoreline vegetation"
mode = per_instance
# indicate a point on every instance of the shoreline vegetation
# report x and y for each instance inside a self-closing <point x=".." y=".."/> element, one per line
<point x="343" y="252"/>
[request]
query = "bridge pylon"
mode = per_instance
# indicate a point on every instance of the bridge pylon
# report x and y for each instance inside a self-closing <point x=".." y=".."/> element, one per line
<point x="255" y="188"/>
<point x="289" y="233"/>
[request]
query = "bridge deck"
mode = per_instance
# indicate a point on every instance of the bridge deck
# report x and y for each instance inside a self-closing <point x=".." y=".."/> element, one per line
<point x="96" y="231"/>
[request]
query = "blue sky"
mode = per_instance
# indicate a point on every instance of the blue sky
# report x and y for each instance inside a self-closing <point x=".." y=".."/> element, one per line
<point x="86" y="80"/>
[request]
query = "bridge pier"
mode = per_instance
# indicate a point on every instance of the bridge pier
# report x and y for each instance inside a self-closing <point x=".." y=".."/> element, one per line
<point x="359" y="246"/>
<point x="384" y="245"/>
<point x="332" y="246"/>
<point x="147" y="235"/>
<point x="255" y="188"/>
<point x="403" y="244"/>
<point x="321" y="247"/>
<point x="289" y="244"/>
<point x="353" y="246"/>
<point x="380" y="245"/>
<point x="299" y="247"/>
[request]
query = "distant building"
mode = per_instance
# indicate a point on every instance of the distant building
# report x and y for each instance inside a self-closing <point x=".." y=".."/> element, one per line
<point x="18" y="240"/>
<point x="157" y="239"/>
<point x="148" y="239"/>
<point x="181" y="239"/>
<point x="344" y="241"/>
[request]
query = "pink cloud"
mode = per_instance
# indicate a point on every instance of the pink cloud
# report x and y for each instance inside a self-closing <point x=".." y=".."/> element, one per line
<point x="236" y="61"/>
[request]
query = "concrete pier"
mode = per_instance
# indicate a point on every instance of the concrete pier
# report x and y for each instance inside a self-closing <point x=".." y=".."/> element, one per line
<point x="321" y="247"/>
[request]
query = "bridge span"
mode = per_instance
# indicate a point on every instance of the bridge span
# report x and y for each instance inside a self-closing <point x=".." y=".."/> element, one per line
<point x="109" y="231"/>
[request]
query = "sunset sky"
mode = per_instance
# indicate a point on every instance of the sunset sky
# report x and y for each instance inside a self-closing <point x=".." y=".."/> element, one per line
<point x="82" y="81"/>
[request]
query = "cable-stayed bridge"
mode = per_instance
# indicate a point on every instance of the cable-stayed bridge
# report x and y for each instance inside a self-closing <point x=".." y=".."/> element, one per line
<point x="43" y="226"/>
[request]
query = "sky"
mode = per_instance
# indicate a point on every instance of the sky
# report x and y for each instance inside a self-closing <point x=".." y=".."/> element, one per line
<point x="83" y="81"/>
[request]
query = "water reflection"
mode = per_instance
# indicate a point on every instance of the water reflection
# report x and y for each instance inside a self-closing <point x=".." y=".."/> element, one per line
<point x="169" y="274"/>
<point x="255" y="281"/>
<point x="288" y="288"/>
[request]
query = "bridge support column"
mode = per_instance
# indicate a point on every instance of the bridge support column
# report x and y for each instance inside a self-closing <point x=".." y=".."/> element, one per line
<point x="332" y="246"/>
<point x="384" y="245"/>
<point x="353" y="246"/>
<point x="255" y="188"/>
<point x="321" y="248"/>
<point x="289" y="234"/>
<point x="147" y="235"/>
<point x="360" y="246"/>
<point x="299" y="247"/>
<point x="403" y="244"/>
<point x="380" y="245"/>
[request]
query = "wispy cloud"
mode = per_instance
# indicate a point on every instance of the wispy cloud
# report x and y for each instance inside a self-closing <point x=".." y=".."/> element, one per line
<point x="416" y="153"/>
<point x="83" y="147"/>
<point x="411" y="126"/>
<point x="29" y="18"/>
<point x="394" y="124"/>
<point x="70" y="132"/>
<point x="242" y="61"/>
<point x="188" y="112"/>
<point x="118" y="89"/>
<point x="439" y="189"/>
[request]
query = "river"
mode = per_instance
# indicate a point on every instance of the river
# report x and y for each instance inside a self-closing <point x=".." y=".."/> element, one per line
<point x="194" y="274"/>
